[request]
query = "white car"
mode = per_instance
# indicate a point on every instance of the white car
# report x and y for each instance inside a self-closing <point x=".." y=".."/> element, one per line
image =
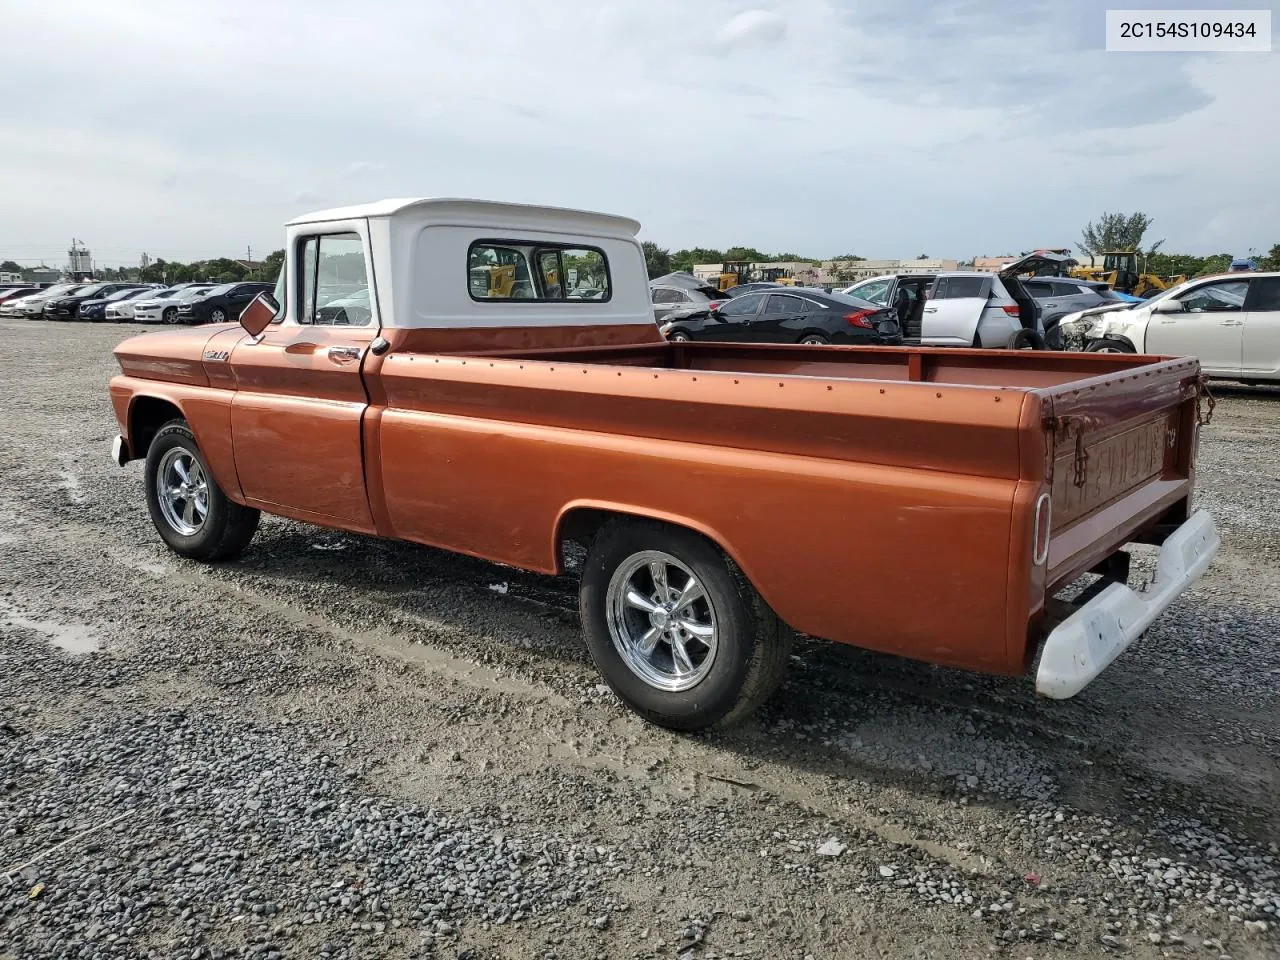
<point x="32" y="307"/>
<point x="1231" y="322"/>
<point x="163" y="307"/>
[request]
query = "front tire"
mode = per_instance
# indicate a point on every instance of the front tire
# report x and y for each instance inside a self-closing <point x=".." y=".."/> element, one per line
<point x="1110" y="346"/>
<point x="189" y="510"/>
<point x="1026" y="339"/>
<point x="679" y="336"/>
<point x="170" y="315"/>
<point x="676" y="630"/>
<point x="217" y="315"/>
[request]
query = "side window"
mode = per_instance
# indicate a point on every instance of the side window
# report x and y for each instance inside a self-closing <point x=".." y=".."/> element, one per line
<point x="962" y="287"/>
<point x="1041" y="291"/>
<point x="1070" y="290"/>
<point x="666" y="295"/>
<point x="1264" y="294"/>
<point x="509" y="270"/>
<point x="784" y="304"/>
<point x="1224" y="297"/>
<point x="334" y="281"/>
<point x="877" y="292"/>
<point x="741" y="306"/>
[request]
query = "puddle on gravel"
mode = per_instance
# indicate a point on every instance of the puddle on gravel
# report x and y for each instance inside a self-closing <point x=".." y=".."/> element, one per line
<point x="74" y="638"/>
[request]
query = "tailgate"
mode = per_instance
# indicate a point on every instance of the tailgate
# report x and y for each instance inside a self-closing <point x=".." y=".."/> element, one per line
<point x="1121" y="452"/>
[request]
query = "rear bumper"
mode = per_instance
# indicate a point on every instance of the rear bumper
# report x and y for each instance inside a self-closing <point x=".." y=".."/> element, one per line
<point x="1086" y="643"/>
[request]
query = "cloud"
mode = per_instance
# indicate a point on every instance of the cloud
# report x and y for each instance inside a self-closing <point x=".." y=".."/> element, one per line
<point x="751" y="28"/>
<point x="823" y="126"/>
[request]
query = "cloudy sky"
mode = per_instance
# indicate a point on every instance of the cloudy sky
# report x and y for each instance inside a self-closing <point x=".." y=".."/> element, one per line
<point x="879" y="127"/>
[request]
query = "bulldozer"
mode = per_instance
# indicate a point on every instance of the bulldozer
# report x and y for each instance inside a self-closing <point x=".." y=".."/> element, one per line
<point x="735" y="272"/>
<point x="1120" y="270"/>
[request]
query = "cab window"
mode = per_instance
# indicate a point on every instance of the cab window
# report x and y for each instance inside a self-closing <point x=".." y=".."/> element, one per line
<point x="510" y="270"/>
<point x="334" y="281"/>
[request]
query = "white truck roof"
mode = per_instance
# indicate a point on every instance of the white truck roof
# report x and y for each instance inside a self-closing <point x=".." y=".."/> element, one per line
<point x="465" y="212"/>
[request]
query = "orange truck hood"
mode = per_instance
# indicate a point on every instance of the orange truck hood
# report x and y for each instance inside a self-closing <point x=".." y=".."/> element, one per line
<point x="176" y="356"/>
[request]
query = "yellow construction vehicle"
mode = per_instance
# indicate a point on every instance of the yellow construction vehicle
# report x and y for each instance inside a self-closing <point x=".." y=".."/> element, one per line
<point x="1120" y="270"/>
<point x="735" y="272"/>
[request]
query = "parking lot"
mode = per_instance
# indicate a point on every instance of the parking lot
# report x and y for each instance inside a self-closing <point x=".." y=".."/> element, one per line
<point x="343" y="747"/>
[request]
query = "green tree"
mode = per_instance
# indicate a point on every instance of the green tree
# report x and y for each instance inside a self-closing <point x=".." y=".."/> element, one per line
<point x="271" y="265"/>
<point x="685" y="259"/>
<point x="848" y="256"/>
<point x="923" y="256"/>
<point x="749" y="254"/>
<point x="10" y="267"/>
<point x="656" y="259"/>
<point x="1272" y="260"/>
<point x="1116" y="231"/>
<point x="223" y="267"/>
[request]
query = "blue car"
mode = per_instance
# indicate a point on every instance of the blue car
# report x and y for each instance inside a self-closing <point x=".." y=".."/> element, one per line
<point x="97" y="309"/>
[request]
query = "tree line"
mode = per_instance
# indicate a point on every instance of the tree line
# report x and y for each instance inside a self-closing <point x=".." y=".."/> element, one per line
<point x="219" y="270"/>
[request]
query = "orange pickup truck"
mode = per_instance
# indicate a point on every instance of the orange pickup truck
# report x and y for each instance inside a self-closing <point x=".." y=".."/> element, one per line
<point x="488" y="378"/>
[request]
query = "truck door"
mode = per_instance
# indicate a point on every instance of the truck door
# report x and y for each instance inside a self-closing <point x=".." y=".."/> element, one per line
<point x="1262" y="328"/>
<point x="1210" y="326"/>
<point x="952" y="312"/>
<point x="300" y="399"/>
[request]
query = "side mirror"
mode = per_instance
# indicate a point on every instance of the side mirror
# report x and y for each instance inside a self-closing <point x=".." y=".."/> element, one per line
<point x="1168" y="305"/>
<point x="257" y="316"/>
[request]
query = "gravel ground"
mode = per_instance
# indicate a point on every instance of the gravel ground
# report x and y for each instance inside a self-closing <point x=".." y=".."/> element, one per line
<point x="342" y="747"/>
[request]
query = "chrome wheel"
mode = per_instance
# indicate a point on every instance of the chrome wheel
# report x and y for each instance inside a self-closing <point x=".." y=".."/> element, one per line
<point x="661" y="621"/>
<point x="217" y="315"/>
<point x="182" y="491"/>
<point x="814" y="341"/>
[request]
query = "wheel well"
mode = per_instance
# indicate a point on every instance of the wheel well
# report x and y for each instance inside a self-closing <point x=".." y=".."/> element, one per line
<point x="146" y="416"/>
<point x="579" y="527"/>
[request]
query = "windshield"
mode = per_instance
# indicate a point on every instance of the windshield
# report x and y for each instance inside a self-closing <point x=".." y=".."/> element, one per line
<point x="219" y="291"/>
<point x="1172" y="291"/>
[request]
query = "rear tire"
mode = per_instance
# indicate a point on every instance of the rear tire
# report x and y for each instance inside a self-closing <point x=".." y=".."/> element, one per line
<point x="1026" y="339"/>
<point x="733" y="671"/>
<point x="222" y="529"/>
<point x="814" y="340"/>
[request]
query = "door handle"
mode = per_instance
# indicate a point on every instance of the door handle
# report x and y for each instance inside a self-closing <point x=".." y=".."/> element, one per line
<point x="1232" y="323"/>
<point x="930" y="309"/>
<point x="344" y="354"/>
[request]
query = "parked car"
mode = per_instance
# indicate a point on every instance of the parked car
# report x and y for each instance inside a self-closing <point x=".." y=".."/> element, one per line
<point x="32" y="306"/>
<point x="680" y="291"/>
<point x="1058" y="297"/>
<point x="353" y="308"/>
<point x="991" y="310"/>
<point x="219" y="304"/>
<point x="726" y="496"/>
<point x="1230" y="322"/>
<point x="96" y="309"/>
<point x="67" y="306"/>
<point x="163" y="307"/>
<point x="16" y="293"/>
<point x="905" y="292"/>
<point x="798" y="315"/>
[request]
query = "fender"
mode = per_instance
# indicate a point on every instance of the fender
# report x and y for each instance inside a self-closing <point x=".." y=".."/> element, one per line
<point x="645" y="513"/>
<point x="206" y="410"/>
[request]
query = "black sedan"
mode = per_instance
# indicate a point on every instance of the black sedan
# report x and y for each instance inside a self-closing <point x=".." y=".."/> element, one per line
<point x="220" y="304"/>
<point x="96" y="309"/>
<point x="800" y="315"/>
<point x="67" y="306"/>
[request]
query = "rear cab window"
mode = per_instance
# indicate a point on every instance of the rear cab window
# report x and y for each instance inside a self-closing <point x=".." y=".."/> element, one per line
<point x="505" y="270"/>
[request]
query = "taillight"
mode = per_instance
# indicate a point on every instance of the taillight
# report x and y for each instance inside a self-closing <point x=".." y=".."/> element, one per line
<point x="1040" y="537"/>
<point x="859" y="319"/>
<point x="715" y="304"/>
<point x="1012" y="310"/>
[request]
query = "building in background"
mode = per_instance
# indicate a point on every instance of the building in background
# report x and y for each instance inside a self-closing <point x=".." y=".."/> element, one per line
<point x="851" y="271"/>
<point x="79" y="262"/>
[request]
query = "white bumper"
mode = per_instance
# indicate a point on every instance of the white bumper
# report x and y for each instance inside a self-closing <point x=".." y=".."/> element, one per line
<point x="1084" y="644"/>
